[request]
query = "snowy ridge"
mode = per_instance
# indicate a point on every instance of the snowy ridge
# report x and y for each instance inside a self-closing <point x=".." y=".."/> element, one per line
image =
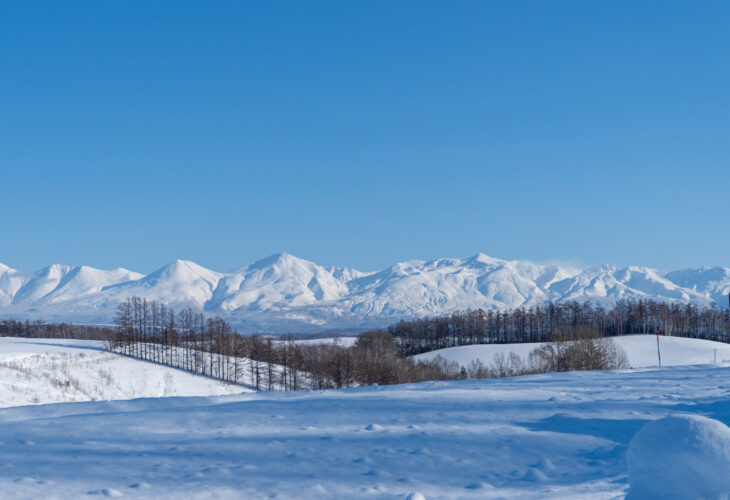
<point x="283" y="293"/>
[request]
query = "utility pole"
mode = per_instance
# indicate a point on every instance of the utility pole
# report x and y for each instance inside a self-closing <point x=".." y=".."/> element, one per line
<point x="658" y="351"/>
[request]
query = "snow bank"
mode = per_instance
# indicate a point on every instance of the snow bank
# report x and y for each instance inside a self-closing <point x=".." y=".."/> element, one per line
<point x="680" y="457"/>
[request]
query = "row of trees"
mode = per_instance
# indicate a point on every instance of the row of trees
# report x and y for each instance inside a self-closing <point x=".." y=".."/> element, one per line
<point x="208" y="346"/>
<point x="189" y="340"/>
<point x="541" y="323"/>
<point x="42" y="330"/>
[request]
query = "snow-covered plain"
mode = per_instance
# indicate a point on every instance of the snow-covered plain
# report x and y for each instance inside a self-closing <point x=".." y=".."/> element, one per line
<point x="40" y="371"/>
<point x="640" y="349"/>
<point x="562" y="436"/>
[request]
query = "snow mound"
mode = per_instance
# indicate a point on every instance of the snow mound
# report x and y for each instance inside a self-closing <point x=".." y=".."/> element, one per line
<point x="684" y="456"/>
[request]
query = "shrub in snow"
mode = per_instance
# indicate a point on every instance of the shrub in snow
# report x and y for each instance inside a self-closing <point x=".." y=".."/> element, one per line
<point x="581" y="348"/>
<point x="680" y="457"/>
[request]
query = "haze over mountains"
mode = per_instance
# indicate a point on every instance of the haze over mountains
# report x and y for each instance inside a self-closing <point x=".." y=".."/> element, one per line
<point x="283" y="293"/>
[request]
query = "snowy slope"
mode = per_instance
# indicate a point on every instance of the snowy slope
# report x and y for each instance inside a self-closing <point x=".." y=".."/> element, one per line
<point x="608" y="284"/>
<point x="641" y="351"/>
<point x="712" y="282"/>
<point x="282" y="293"/>
<point x="580" y="435"/>
<point x="179" y="283"/>
<point x="42" y="371"/>
<point x="279" y="281"/>
<point x="417" y="288"/>
<point x="11" y="280"/>
<point x="59" y="283"/>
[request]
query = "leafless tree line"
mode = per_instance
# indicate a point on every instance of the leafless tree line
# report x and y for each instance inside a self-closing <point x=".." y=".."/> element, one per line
<point x="208" y="346"/>
<point x="542" y="323"/>
<point x="189" y="340"/>
<point x="39" y="329"/>
<point x="575" y="349"/>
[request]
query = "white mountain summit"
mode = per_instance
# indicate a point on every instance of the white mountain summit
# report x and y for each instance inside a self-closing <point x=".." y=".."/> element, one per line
<point x="283" y="293"/>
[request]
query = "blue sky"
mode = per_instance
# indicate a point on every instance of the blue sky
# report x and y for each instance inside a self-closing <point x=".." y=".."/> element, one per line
<point x="364" y="133"/>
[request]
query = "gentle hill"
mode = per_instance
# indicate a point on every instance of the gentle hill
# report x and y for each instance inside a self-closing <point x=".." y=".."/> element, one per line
<point x="641" y="350"/>
<point x="41" y="371"/>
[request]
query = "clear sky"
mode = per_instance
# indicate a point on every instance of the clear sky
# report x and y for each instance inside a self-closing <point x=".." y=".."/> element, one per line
<point x="364" y="133"/>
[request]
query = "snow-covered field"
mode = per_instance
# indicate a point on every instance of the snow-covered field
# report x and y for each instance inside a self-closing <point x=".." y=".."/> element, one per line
<point x="548" y="436"/>
<point x="34" y="371"/>
<point x="648" y="433"/>
<point x="641" y="350"/>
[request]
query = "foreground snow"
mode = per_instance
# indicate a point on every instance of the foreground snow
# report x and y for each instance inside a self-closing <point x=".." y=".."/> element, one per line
<point x="641" y="350"/>
<point x="40" y="371"/>
<point x="546" y="436"/>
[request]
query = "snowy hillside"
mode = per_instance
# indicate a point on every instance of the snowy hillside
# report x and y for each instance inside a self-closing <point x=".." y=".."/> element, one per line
<point x="42" y="371"/>
<point x="640" y="349"/>
<point x="283" y="293"/>
<point x="580" y="435"/>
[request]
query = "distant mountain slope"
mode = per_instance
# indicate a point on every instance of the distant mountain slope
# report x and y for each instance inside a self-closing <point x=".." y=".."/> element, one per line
<point x="57" y="283"/>
<point x="279" y="281"/>
<point x="11" y="280"/>
<point x="283" y="293"/>
<point x="607" y="284"/>
<point x="417" y="288"/>
<point x="713" y="282"/>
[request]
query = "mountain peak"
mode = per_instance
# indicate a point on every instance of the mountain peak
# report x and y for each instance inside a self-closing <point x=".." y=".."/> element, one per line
<point x="183" y="262"/>
<point x="283" y="293"/>
<point x="280" y="259"/>
<point x="485" y="259"/>
<point x="185" y="269"/>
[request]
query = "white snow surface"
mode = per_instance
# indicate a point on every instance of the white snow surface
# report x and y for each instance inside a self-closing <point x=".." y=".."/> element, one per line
<point x="556" y="436"/>
<point x="42" y="371"/>
<point x="640" y="349"/>
<point x="284" y="294"/>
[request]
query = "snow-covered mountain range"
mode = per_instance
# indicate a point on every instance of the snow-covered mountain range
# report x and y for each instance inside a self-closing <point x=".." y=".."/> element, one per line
<point x="283" y="293"/>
